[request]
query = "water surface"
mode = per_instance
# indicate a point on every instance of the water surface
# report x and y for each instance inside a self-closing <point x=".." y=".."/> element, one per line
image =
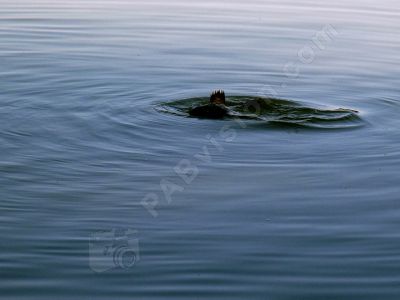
<point x="269" y="212"/>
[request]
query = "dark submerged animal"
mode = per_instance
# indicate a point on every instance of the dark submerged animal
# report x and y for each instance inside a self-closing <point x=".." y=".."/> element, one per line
<point x="216" y="109"/>
<point x="277" y="110"/>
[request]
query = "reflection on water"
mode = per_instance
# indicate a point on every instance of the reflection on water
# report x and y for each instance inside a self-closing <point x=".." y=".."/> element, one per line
<point x="275" y="211"/>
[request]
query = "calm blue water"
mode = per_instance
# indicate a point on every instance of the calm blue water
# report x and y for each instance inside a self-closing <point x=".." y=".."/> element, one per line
<point x="250" y="211"/>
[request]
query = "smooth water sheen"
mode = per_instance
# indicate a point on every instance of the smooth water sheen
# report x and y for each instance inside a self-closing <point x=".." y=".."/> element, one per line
<point x="244" y="210"/>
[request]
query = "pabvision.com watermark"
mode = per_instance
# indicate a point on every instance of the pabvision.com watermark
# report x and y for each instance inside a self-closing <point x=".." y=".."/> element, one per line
<point x="306" y="55"/>
<point x="115" y="248"/>
<point x="119" y="248"/>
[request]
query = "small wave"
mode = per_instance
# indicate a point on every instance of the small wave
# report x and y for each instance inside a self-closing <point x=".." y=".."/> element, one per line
<point x="272" y="111"/>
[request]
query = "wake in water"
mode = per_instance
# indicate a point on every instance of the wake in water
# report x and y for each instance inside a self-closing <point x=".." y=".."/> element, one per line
<point x="268" y="110"/>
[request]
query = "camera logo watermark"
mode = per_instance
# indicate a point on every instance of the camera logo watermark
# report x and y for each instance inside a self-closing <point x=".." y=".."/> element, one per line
<point x="115" y="248"/>
<point x="120" y="248"/>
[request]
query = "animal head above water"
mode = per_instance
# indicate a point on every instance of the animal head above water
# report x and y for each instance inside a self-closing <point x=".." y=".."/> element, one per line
<point x="268" y="111"/>
<point x="217" y="97"/>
